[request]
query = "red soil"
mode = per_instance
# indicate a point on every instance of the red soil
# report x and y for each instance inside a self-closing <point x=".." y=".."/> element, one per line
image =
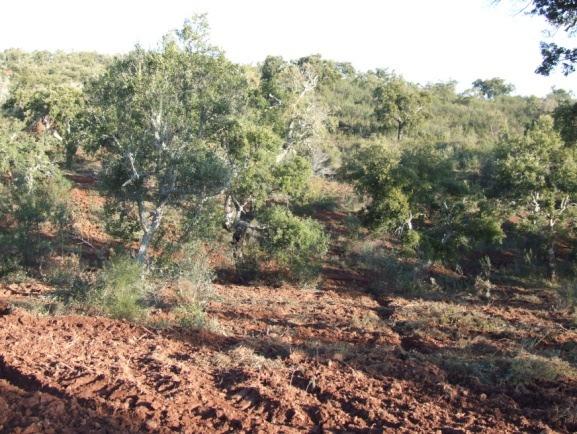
<point x="279" y="360"/>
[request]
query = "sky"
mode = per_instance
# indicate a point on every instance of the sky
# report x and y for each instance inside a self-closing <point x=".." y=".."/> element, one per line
<point x="424" y="40"/>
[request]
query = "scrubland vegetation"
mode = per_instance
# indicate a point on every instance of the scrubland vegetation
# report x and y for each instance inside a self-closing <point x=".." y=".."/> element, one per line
<point x="302" y="215"/>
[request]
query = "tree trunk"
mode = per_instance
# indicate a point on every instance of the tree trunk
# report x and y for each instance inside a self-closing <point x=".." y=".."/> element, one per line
<point x="149" y="233"/>
<point x="400" y="131"/>
<point x="230" y="213"/>
<point x="551" y="260"/>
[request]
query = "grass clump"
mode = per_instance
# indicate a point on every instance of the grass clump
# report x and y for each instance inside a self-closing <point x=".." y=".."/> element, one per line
<point x="526" y="368"/>
<point x="439" y="315"/>
<point x="188" y="275"/>
<point x="191" y="316"/>
<point x="517" y="370"/>
<point x="124" y="289"/>
<point x="387" y="270"/>
<point x="243" y="356"/>
<point x="192" y="275"/>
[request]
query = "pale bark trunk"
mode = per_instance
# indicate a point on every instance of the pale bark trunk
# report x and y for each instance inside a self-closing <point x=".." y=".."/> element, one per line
<point x="551" y="258"/>
<point x="149" y="233"/>
<point x="230" y="213"/>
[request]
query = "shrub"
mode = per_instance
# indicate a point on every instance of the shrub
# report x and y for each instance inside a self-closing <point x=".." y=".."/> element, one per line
<point x="387" y="270"/>
<point x="186" y="270"/>
<point x="295" y="243"/>
<point x="31" y="195"/>
<point x="123" y="290"/>
<point x="189" y="272"/>
<point x="191" y="316"/>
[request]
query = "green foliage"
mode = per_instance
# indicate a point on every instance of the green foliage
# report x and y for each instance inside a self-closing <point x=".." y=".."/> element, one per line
<point x="539" y="174"/>
<point x="561" y="15"/>
<point x="188" y="270"/>
<point x="179" y="129"/>
<point x="158" y="116"/>
<point x="191" y="316"/>
<point x="526" y="164"/>
<point x="399" y="104"/>
<point x="50" y="84"/>
<point x="427" y="197"/>
<point x="493" y="87"/>
<point x="253" y="150"/>
<point x="123" y="289"/>
<point x="296" y="243"/>
<point x="371" y="170"/>
<point x="565" y="116"/>
<point x="120" y="219"/>
<point x="32" y="194"/>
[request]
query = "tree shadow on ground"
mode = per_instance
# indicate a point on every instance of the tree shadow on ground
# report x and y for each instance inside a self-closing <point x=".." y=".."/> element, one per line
<point x="27" y="404"/>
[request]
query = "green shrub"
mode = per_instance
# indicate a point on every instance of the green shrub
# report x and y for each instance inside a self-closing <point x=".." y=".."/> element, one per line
<point x="191" y="316"/>
<point x="295" y="243"/>
<point x="411" y="240"/>
<point x="188" y="270"/>
<point x="387" y="270"/>
<point x="526" y="369"/>
<point x="32" y="194"/>
<point x="124" y="290"/>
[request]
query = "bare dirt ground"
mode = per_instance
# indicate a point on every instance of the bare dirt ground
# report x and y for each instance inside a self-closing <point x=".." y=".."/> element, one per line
<point x="332" y="358"/>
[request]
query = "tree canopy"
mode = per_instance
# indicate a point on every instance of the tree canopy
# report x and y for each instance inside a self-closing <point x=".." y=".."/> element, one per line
<point x="561" y="14"/>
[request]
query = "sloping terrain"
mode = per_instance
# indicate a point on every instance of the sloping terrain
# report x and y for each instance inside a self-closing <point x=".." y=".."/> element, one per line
<point x="332" y="358"/>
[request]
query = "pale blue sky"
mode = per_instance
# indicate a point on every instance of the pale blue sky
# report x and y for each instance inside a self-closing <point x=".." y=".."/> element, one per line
<point x="424" y="40"/>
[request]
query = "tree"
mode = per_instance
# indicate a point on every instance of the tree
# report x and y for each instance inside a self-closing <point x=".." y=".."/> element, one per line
<point x="419" y="195"/>
<point x="271" y="148"/>
<point x="61" y="107"/>
<point x="271" y="152"/>
<point x="159" y="117"/>
<point x="565" y="116"/>
<point x="561" y="14"/>
<point x="539" y="174"/>
<point x="399" y="105"/>
<point x="493" y="87"/>
<point x="32" y="193"/>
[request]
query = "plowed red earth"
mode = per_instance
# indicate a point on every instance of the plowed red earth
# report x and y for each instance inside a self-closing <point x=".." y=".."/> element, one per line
<point x="293" y="361"/>
<point x="280" y="360"/>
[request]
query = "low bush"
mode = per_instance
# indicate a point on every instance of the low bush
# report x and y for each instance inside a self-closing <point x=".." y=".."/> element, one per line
<point x="526" y="369"/>
<point x="297" y="244"/>
<point x="32" y="202"/>
<point x="514" y="370"/>
<point x="387" y="270"/>
<point x="191" y="316"/>
<point x="123" y="291"/>
<point x="186" y="271"/>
